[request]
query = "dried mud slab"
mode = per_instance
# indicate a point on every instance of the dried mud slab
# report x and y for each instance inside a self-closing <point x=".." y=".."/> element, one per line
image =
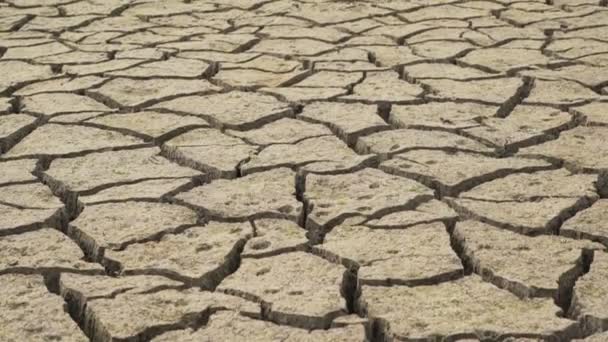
<point x="389" y="143"/>
<point x="138" y="93"/>
<point x="282" y="131"/>
<point x="106" y="305"/>
<point x="98" y="171"/>
<point x="580" y="148"/>
<point x="69" y="139"/>
<point x="427" y="212"/>
<point x="297" y="288"/>
<point x="13" y="128"/>
<point x="274" y="236"/>
<point x="151" y="124"/>
<point x="542" y="266"/>
<point x="589" y="223"/>
<point x="27" y="206"/>
<point x="61" y="103"/>
<point x="368" y="193"/>
<point x="414" y="256"/>
<point x="385" y="87"/>
<point x="17" y="171"/>
<point x="26" y="307"/>
<point x="439" y="115"/>
<point x="425" y="312"/>
<point x="209" y="151"/>
<point x="323" y="154"/>
<point x="114" y="225"/>
<point x="452" y="173"/>
<point x="199" y="255"/>
<point x="228" y="325"/>
<point x="347" y="121"/>
<point x="269" y="194"/>
<point x="233" y="110"/>
<point x="45" y="249"/>
<point x="589" y="298"/>
<point x="530" y="203"/>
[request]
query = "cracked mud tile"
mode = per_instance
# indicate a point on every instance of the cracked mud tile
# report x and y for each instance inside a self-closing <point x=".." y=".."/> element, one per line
<point x="217" y="42"/>
<point x="101" y="170"/>
<point x="144" y="190"/>
<point x="153" y="124"/>
<point x="502" y="60"/>
<point x="116" y="24"/>
<point x="274" y="236"/>
<point x="582" y="148"/>
<point x="110" y="226"/>
<point x="261" y="63"/>
<point x="31" y="52"/>
<point x="453" y="172"/>
<point x="210" y="151"/>
<point x="392" y="55"/>
<point x="524" y="126"/>
<point x="56" y="103"/>
<point x="69" y="139"/>
<point x="201" y="255"/>
<point x="389" y="143"/>
<point x="414" y="256"/>
<point x="292" y="47"/>
<point x="100" y="68"/>
<point x="331" y="199"/>
<point x="447" y="11"/>
<point x="441" y="49"/>
<point x="587" y="75"/>
<point x="347" y="121"/>
<point x="247" y="78"/>
<point x="225" y="58"/>
<point x="298" y="288"/>
<point x="589" y="223"/>
<point x="233" y="110"/>
<point x="42" y="250"/>
<point x="231" y="326"/>
<point x="173" y="67"/>
<point x="596" y="113"/>
<point x="5" y="105"/>
<point x="542" y="266"/>
<point x="26" y="206"/>
<point x="305" y="94"/>
<point x="74" y="57"/>
<point x="18" y="72"/>
<point x="384" y="86"/>
<point x="167" y="8"/>
<point x="344" y="54"/>
<point x="282" y="131"/>
<point x="13" y="127"/>
<point x="322" y="154"/>
<point x="269" y="194"/>
<point x="17" y="171"/>
<point x="67" y="84"/>
<point x="26" y="307"/>
<point x="139" y="307"/>
<point x="589" y="304"/>
<point x="439" y="115"/>
<point x="138" y="93"/>
<point x="559" y="92"/>
<point x="336" y="12"/>
<point x="425" y="312"/>
<point x="427" y="212"/>
<point x="347" y="66"/>
<point x="530" y="204"/>
<point x="441" y="70"/>
<point x="326" y="34"/>
<point x="331" y="79"/>
<point x="490" y="91"/>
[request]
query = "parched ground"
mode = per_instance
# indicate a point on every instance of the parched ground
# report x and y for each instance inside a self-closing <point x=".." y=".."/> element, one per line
<point x="303" y="170"/>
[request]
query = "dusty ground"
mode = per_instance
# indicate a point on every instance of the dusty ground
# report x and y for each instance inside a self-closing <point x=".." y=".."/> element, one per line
<point x="281" y="170"/>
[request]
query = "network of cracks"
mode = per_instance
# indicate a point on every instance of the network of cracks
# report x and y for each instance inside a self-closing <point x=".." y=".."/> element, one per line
<point x="303" y="170"/>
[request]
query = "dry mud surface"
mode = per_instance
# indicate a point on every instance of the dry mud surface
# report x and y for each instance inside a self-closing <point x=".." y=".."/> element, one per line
<point x="303" y="170"/>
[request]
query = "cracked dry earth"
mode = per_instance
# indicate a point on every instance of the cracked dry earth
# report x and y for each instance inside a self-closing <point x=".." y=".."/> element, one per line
<point x="303" y="170"/>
